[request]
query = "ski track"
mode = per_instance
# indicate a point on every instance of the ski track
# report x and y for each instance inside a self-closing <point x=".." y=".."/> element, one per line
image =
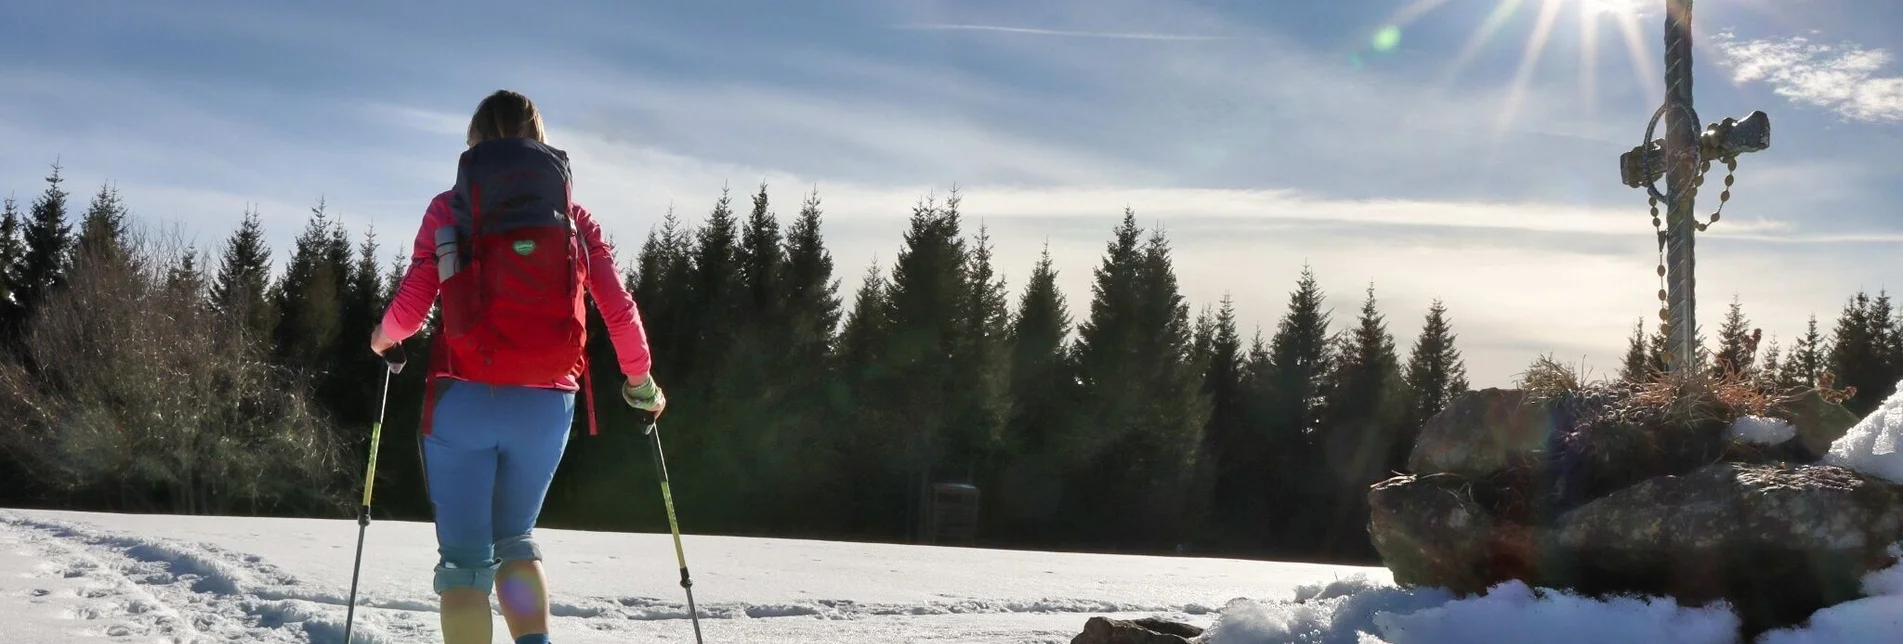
<point x="192" y="593"/>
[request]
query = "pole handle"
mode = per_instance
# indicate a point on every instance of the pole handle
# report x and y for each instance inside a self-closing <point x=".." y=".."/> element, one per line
<point x="394" y="357"/>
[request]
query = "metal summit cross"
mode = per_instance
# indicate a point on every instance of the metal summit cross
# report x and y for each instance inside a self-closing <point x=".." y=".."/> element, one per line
<point x="1683" y="157"/>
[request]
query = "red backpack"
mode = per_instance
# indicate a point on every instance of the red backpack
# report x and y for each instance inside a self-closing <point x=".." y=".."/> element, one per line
<point x="513" y="270"/>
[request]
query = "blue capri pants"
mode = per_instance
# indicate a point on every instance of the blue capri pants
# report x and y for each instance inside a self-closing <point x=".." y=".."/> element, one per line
<point x="489" y="457"/>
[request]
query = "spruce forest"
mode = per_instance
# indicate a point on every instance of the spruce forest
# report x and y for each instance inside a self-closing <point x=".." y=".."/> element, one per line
<point x="143" y="375"/>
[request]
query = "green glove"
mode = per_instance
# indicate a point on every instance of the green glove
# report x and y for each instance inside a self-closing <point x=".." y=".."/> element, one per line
<point x="646" y="396"/>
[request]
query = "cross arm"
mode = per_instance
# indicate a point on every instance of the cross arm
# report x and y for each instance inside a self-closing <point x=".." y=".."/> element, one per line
<point x="1722" y="140"/>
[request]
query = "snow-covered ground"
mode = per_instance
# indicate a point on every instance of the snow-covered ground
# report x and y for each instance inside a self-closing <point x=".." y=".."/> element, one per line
<point x="83" y="577"/>
<point x="80" y="577"/>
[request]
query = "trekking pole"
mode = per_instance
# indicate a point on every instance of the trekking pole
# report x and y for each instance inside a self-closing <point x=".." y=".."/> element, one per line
<point x="667" y="497"/>
<point x="393" y="358"/>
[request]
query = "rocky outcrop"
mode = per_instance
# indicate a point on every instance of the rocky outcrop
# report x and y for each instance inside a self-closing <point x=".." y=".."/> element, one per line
<point x="1602" y="492"/>
<point x="1149" y="630"/>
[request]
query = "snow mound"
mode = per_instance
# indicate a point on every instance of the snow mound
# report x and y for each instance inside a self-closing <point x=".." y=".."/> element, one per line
<point x="1513" y="612"/>
<point x="1870" y="446"/>
<point x="1761" y="430"/>
<point x="1356" y="611"/>
<point x="1337" y="620"/>
<point x="1351" y="612"/>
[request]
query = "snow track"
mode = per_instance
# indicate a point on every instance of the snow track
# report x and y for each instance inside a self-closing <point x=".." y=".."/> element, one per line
<point x="154" y="589"/>
<point x="117" y="585"/>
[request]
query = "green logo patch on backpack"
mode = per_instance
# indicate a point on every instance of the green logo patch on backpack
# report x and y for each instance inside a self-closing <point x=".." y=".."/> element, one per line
<point x="524" y="246"/>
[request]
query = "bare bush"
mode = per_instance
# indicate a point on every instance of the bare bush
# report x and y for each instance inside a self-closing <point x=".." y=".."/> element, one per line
<point x="134" y="395"/>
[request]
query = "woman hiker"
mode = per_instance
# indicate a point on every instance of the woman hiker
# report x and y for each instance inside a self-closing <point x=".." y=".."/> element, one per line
<point x="511" y="257"/>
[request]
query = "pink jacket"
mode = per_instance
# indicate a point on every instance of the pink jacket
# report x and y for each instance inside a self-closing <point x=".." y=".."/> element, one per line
<point x="417" y="293"/>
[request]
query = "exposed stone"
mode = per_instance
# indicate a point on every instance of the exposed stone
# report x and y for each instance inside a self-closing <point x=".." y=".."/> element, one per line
<point x="1778" y="541"/>
<point x="1606" y="450"/>
<point x="1431" y="531"/>
<point x="1481" y="432"/>
<point x="1819" y="423"/>
<point x="1148" y="630"/>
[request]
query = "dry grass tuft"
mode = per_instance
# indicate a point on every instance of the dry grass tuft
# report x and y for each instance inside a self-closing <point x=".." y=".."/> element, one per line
<point x="1548" y="379"/>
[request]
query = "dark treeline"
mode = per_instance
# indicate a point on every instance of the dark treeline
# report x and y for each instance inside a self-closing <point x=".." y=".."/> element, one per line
<point x="141" y="374"/>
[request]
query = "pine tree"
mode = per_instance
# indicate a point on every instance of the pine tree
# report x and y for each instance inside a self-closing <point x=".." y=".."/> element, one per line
<point x="12" y="253"/>
<point x="49" y="245"/>
<point x="1172" y="433"/>
<point x="810" y="313"/>
<point x="763" y="259"/>
<point x="663" y="269"/>
<point x="185" y="280"/>
<point x="757" y="381"/>
<point x="1771" y="369"/>
<point x="1203" y="337"/>
<point x="1808" y="357"/>
<point x="1638" y="364"/>
<point x="1853" y="355"/>
<point x="1039" y="360"/>
<point x="1893" y="355"/>
<point x="711" y="390"/>
<point x="367" y="281"/>
<point x="308" y="297"/>
<point x="399" y="268"/>
<point x="866" y="327"/>
<point x="1044" y="409"/>
<point x="358" y="311"/>
<point x="1233" y="447"/>
<point x="715" y="296"/>
<point x="1300" y="351"/>
<point x="981" y="357"/>
<point x="1659" y="364"/>
<point x="1435" y="371"/>
<point x="925" y="309"/>
<point x="1111" y="325"/>
<point x="1364" y="415"/>
<point x="1885" y="345"/>
<point x="1109" y="343"/>
<point x="102" y="231"/>
<point x="238" y="291"/>
<point x="863" y="440"/>
<point x="1143" y="394"/>
<point x="1736" y="342"/>
<point x="1247" y="503"/>
<point x="809" y="290"/>
<point x="1299" y="359"/>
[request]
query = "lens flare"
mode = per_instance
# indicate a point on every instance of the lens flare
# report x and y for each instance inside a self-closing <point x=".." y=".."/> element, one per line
<point x="1387" y="38"/>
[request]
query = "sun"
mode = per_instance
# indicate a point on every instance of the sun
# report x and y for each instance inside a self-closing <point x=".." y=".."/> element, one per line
<point x="1592" y="17"/>
<point x="1615" y="8"/>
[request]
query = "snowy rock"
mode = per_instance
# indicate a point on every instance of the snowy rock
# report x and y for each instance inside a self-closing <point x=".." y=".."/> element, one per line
<point x="1777" y="541"/>
<point x="1482" y="432"/>
<point x="1430" y="531"/>
<point x="1759" y="430"/>
<point x="1871" y="446"/>
<point x="1149" y="630"/>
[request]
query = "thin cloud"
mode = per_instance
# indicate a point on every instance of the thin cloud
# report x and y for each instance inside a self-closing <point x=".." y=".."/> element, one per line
<point x="1848" y="79"/>
<point x="1065" y="32"/>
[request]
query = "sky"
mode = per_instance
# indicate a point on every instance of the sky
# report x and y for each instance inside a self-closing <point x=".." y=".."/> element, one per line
<point x="1460" y="150"/>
